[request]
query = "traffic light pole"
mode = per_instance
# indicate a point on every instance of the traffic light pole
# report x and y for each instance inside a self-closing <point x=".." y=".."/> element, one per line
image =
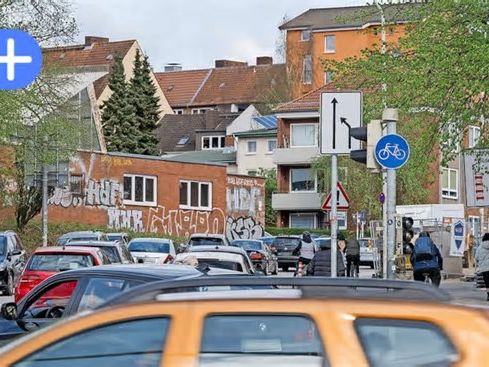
<point x="334" y="214"/>
<point x="390" y="117"/>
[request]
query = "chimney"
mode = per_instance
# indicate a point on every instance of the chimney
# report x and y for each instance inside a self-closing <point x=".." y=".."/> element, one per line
<point x="211" y="119"/>
<point x="229" y="63"/>
<point x="173" y="66"/>
<point x="264" y="60"/>
<point x="90" y="40"/>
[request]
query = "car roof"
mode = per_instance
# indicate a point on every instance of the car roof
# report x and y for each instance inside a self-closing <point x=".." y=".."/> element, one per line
<point x="151" y="239"/>
<point x="245" y="240"/>
<point x="227" y="249"/>
<point x="289" y="236"/>
<point x="90" y="243"/>
<point x="208" y="235"/>
<point x="81" y="233"/>
<point x="116" y="234"/>
<point x="63" y="249"/>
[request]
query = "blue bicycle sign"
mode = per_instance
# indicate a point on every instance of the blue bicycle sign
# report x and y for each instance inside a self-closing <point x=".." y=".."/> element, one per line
<point x="392" y="151"/>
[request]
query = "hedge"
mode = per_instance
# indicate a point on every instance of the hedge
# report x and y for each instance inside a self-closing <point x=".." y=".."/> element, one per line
<point x="275" y="231"/>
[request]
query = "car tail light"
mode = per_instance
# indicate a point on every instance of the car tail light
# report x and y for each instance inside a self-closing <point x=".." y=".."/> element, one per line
<point x="169" y="259"/>
<point x="256" y="256"/>
<point x="30" y="279"/>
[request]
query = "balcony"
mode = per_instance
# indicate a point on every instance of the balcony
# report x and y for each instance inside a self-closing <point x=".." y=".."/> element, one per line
<point x="303" y="155"/>
<point x="297" y="201"/>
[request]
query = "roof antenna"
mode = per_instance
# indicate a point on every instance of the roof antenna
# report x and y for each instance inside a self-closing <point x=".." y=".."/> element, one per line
<point x="203" y="268"/>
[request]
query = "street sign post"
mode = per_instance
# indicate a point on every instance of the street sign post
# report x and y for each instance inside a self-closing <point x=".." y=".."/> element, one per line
<point x="392" y="151"/>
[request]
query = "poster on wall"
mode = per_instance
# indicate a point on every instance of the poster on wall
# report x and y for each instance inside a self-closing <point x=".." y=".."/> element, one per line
<point x="457" y="241"/>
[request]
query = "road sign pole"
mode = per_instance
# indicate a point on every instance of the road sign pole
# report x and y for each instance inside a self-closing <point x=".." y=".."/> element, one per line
<point x="334" y="213"/>
<point x="390" y="117"/>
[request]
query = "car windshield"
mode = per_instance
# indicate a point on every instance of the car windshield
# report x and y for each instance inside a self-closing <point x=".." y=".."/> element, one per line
<point x="112" y="253"/>
<point x="267" y="241"/>
<point x="216" y="263"/>
<point x="281" y="242"/>
<point x="59" y="262"/>
<point x="162" y="247"/>
<point x="114" y="237"/>
<point x="3" y="245"/>
<point x="247" y="245"/>
<point x="206" y="241"/>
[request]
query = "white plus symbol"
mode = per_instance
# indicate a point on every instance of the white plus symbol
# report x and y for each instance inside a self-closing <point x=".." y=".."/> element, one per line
<point x="10" y="59"/>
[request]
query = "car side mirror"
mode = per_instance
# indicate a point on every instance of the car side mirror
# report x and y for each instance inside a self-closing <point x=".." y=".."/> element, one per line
<point x="9" y="311"/>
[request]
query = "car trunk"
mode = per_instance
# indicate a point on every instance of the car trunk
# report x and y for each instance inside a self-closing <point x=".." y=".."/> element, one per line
<point x="29" y="279"/>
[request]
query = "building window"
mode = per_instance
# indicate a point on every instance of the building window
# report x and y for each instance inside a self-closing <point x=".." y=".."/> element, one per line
<point x="140" y="190"/>
<point x="474" y="135"/>
<point x="302" y="220"/>
<point x="251" y="147"/>
<point x="328" y="77"/>
<point x="307" y="70"/>
<point x="213" y="142"/>
<point x="330" y="44"/>
<point x="306" y="35"/>
<point x="183" y="140"/>
<point x="272" y="145"/>
<point x="195" y="195"/>
<point x="178" y="111"/>
<point x="252" y="172"/>
<point x="196" y="111"/>
<point x="303" y="135"/>
<point x="449" y="183"/>
<point x="76" y="184"/>
<point x="302" y="179"/>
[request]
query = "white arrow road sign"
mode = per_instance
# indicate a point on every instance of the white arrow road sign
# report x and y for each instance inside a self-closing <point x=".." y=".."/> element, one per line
<point x="340" y="111"/>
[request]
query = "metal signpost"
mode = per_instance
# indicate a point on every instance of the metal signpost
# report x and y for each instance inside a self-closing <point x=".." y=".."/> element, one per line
<point x="340" y="111"/>
<point x="391" y="152"/>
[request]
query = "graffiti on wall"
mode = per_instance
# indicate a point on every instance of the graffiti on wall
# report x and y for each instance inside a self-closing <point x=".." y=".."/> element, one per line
<point x="243" y="228"/>
<point x="242" y="199"/>
<point x="104" y="193"/>
<point x="126" y="219"/>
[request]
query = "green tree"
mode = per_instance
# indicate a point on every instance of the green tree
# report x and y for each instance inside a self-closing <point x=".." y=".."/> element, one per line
<point x="118" y="116"/>
<point x="143" y="98"/>
<point x="270" y="176"/>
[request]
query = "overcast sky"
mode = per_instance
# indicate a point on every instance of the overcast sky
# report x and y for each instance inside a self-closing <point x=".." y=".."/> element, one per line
<point x="194" y="32"/>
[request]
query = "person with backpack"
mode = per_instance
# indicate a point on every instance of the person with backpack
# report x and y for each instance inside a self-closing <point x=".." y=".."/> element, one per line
<point x="320" y="264"/>
<point x="482" y="261"/>
<point x="426" y="259"/>
<point x="305" y="250"/>
<point x="352" y="258"/>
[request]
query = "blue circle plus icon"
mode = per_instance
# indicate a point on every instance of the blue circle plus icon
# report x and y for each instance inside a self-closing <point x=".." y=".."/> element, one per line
<point x="392" y="151"/>
<point x="20" y="59"/>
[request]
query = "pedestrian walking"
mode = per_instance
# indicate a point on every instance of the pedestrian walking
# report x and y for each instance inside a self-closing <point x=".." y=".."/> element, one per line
<point x="305" y="250"/>
<point x="320" y="264"/>
<point x="482" y="261"/>
<point x="426" y="260"/>
<point x="352" y="258"/>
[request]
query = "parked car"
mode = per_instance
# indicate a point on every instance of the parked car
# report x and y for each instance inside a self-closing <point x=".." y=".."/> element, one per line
<point x="115" y="251"/>
<point x="46" y="261"/>
<point x="152" y="250"/>
<point x="267" y="327"/>
<point x="12" y="261"/>
<point x="224" y="257"/>
<point x="119" y="236"/>
<point x="285" y="245"/>
<point x="208" y="239"/>
<point x="260" y="255"/>
<point x="268" y="240"/>
<point x="67" y="293"/>
<point x="81" y="236"/>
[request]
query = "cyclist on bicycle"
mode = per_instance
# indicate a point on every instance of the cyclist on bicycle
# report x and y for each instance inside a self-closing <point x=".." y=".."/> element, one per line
<point x="426" y="260"/>
<point x="306" y="250"/>
<point x="352" y="257"/>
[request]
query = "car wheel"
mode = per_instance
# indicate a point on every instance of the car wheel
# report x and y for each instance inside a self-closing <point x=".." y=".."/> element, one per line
<point x="9" y="289"/>
<point x="285" y="268"/>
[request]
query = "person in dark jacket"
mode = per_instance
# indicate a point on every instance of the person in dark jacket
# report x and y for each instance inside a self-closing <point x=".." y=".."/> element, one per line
<point x="320" y="264"/>
<point x="426" y="259"/>
<point x="352" y="257"/>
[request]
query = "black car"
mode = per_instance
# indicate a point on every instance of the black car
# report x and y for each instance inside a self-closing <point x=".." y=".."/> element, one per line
<point x="116" y="251"/>
<point x="73" y="291"/>
<point x="284" y="246"/>
<point x="262" y="257"/>
<point x="12" y="261"/>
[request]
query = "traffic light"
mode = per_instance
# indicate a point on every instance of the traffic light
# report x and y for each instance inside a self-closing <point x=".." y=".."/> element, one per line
<point x="369" y="134"/>
<point x="407" y="233"/>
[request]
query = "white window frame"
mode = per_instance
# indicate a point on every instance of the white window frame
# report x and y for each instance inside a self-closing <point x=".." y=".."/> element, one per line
<point x="302" y="191"/>
<point x="306" y="31"/>
<point x="197" y="111"/>
<point x="326" y="50"/>
<point x="472" y="140"/>
<point x="448" y="189"/>
<point x="248" y="152"/>
<point x="316" y="128"/>
<point x="304" y="214"/>
<point x="189" y="200"/>
<point x="221" y="142"/>
<point x="304" y="81"/>
<point x="178" y="111"/>
<point x="133" y="190"/>
<point x="268" y="146"/>
<point x="326" y="74"/>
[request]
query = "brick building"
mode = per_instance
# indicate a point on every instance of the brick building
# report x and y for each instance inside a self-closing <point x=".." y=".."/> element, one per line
<point x="142" y="193"/>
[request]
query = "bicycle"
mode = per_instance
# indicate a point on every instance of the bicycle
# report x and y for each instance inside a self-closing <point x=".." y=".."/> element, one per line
<point x="392" y="150"/>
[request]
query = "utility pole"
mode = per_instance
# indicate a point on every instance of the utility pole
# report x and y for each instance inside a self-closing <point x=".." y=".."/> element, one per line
<point x="334" y="214"/>
<point x="390" y="117"/>
<point x="45" y="199"/>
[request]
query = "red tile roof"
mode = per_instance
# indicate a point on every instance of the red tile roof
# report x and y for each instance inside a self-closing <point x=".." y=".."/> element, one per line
<point x="308" y="102"/>
<point x="224" y="85"/>
<point x="99" y="53"/>
<point x="181" y="87"/>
